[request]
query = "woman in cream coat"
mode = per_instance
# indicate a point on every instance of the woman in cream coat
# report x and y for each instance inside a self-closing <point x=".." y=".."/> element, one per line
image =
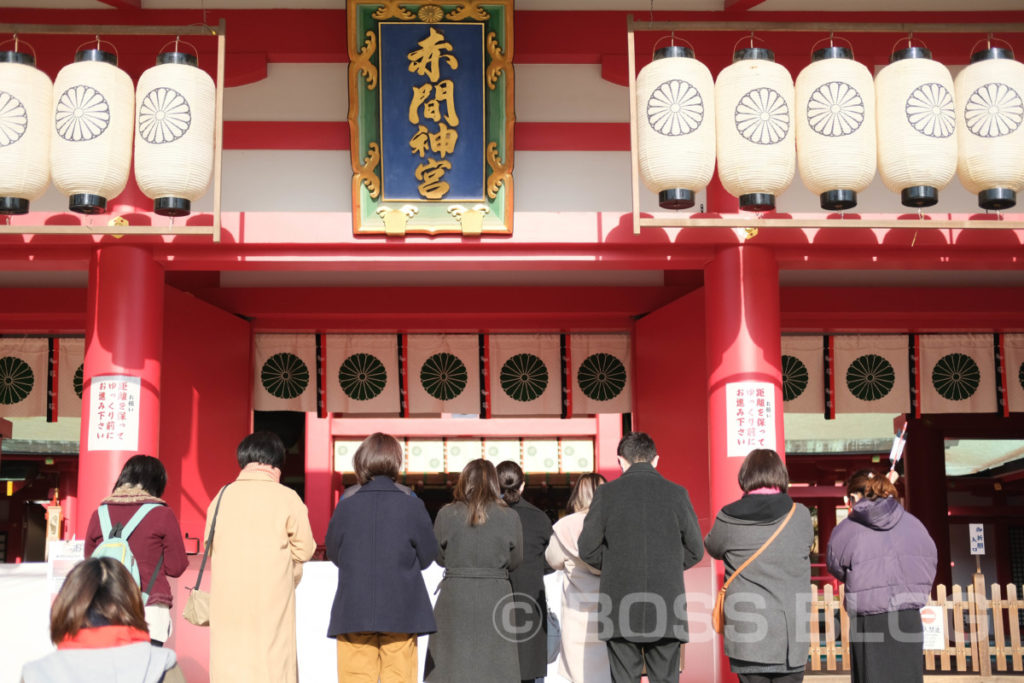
<point x="583" y="658"/>
<point x="261" y="539"/>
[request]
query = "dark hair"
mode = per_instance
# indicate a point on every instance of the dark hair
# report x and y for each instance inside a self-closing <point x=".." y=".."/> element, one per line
<point x="871" y="485"/>
<point x="477" y="488"/>
<point x="99" y="591"/>
<point x="510" y="478"/>
<point x="583" y="491"/>
<point x="378" y="454"/>
<point x="637" y="447"/>
<point x="144" y="471"/>
<point x="262" y="447"/>
<point x="763" y="468"/>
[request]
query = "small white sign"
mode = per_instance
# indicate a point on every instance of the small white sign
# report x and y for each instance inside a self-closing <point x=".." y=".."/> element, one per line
<point x="114" y="413"/>
<point x="934" y="627"/>
<point x="977" y="532"/>
<point x="61" y="557"/>
<point x="750" y="407"/>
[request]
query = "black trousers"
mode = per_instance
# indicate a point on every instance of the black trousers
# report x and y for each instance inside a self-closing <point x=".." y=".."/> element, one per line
<point x="886" y="647"/>
<point x="796" y="677"/>
<point x="627" y="660"/>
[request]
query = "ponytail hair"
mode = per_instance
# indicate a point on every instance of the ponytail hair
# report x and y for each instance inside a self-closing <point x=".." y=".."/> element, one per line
<point x="477" y="488"/>
<point x="510" y="478"/>
<point x="871" y="485"/>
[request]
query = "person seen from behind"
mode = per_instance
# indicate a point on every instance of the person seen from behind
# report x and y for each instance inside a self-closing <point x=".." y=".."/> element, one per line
<point x="381" y="539"/>
<point x="766" y="604"/>
<point x="155" y="541"/>
<point x="98" y="624"/>
<point x="582" y="657"/>
<point x="641" y="532"/>
<point x="887" y="560"/>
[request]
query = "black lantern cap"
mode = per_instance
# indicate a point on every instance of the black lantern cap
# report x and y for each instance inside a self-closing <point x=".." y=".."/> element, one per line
<point x="757" y="201"/>
<point x="838" y="200"/>
<point x="90" y="204"/>
<point x="910" y="53"/>
<point x="172" y="206"/>
<point x="997" y="199"/>
<point x="13" y="206"/>
<point x="753" y="53"/>
<point x="12" y="57"/>
<point x="673" y="51"/>
<point x="919" y="196"/>
<point x="186" y="58"/>
<point x="832" y="52"/>
<point x="95" y="55"/>
<point x="676" y="198"/>
<point x="992" y="53"/>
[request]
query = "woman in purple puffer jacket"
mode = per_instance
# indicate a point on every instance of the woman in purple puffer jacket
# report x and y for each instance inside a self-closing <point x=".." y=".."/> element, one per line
<point x="887" y="560"/>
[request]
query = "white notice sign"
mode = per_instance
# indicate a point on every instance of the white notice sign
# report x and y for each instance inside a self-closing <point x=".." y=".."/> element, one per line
<point x="934" y="627"/>
<point x="750" y="407"/>
<point x="114" y="413"/>
<point x="977" y="532"/>
<point x="61" y="556"/>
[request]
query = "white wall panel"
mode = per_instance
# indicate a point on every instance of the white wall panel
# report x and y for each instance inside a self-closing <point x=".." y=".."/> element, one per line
<point x="264" y="180"/>
<point x="568" y="92"/>
<point x="291" y="92"/>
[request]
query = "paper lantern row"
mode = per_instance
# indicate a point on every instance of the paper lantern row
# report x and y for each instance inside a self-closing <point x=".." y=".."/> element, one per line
<point x="78" y="131"/>
<point x="898" y="373"/>
<point x="912" y="121"/>
<point x="430" y="374"/>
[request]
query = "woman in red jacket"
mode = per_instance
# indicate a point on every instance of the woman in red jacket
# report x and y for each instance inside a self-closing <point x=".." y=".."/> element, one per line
<point x="156" y="541"/>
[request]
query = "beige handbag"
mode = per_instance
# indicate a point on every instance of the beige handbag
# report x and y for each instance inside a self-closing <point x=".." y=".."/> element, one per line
<point x="197" y="607"/>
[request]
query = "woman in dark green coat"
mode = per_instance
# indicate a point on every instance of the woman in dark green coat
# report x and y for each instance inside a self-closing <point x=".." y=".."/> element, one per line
<point x="480" y="541"/>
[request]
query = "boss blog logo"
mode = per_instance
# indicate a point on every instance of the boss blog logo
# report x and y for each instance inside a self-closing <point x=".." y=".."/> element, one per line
<point x="517" y="617"/>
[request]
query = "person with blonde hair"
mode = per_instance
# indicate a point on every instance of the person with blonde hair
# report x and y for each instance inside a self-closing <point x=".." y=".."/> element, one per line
<point x="887" y="560"/>
<point x="480" y="540"/>
<point x="98" y="624"/>
<point x="582" y="657"/>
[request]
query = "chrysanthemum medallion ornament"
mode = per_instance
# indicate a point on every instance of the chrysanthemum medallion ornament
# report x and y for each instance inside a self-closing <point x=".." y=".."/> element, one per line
<point x="762" y="116"/>
<point x="930" y="110"/>
<point x="82" y="114"/>
<point x="835" y="109"/>
<point x="794" y="377"/>
<point x="870" y="377"/>
<point x="164" y="116"/>
<point x="675" y="108"/>
<point x="362" y="376"/>
<point x="16" y="380"/>
<point x="569" y="452"/>
<point x="284" y="375"/>
<point x="524" y="377"/>
<point x="993" y="110"/>
<point x="444" y="376"/>
<point x="956" y="376"/>
<point x="13" y="119"/>
<point x="430" y="14"/>
<point x="601" y="377"/>
<point x="78" y="381"/>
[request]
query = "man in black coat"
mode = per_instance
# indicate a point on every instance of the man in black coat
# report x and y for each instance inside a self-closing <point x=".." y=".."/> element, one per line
<point x="641" y="532"/>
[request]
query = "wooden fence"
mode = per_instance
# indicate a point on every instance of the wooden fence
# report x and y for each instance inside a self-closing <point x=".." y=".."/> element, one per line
<point x="981" y="631"/>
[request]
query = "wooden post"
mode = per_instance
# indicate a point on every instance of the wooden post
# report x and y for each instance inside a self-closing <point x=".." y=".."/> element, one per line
<point x="981" y="622"/>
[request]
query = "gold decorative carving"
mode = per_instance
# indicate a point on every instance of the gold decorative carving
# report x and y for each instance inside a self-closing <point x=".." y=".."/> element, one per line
<point x="365" y="172"/>
<point x="499" y="170"/>
<point x="469" y="9"/>
<point x="395" y="219"/>
<point x="430" y="14"/>
<point x="363" y="63"/>
<point x="471" y="220"/>
<point x="392" y="8"/>
<point x="499" y="62"/>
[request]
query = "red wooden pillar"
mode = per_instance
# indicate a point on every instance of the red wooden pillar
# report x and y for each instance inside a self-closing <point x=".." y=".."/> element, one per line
<point x="123" y="337"/>
<point x="925" y="486"/>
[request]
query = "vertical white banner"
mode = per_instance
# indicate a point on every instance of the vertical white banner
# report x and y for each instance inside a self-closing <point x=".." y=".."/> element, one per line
<point x="285" y="372"/>
<point x="872" y="373"/>
<point x="958" y="373"/>
<point x="803" y="374"/>
<point x="114" y="413"/>
<point x="444" y="374"/>
<point x="70" y="377"/>
<point x="23" y="375"/>
<point x="750" y="407"/>
<point x="1013" y="361"/>
<point x="362" y="374"/>
<point x="525" y="375"/>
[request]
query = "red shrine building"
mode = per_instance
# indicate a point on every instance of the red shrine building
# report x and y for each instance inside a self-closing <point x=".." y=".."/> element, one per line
<point x="504" y="238"/>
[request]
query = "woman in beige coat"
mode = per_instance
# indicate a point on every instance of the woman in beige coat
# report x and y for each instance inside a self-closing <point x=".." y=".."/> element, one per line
<point x="260" y="542"/>
<point x="582" y="658"/>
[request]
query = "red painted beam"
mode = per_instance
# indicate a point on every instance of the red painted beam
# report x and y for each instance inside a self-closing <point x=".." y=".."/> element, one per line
<point x="741" y="5"/>
<point x="123" y="4"/>
<point x="42" y="311"/>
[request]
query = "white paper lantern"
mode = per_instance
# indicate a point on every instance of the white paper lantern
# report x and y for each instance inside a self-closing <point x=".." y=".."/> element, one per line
<point x="754" y="100"/>
<point x="675" y="111"/>
<point x="835" y="127"/>
<point x="175" y="113"/>
<point x="916" y="126"/>
<point x="990" y="113"/>
<point x="26" y="96"/>
<point x="93" y="116"/>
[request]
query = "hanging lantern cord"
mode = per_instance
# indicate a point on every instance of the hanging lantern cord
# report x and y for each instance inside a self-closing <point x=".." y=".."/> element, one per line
<point x="751" y="39"/>
<point x="831" y="38"/>
<point x="15" y="42"/>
